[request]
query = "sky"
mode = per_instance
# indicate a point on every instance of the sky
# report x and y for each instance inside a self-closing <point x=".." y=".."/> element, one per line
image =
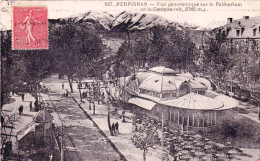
<point x="62" y="9"/>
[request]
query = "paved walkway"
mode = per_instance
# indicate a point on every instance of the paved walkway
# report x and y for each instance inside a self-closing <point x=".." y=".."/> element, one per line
<point x="82" y="139"/>
<point x="252" y="109"/>
<point x="252" y="116"/>
<point x="20" y="121"/>
<point x="122" y="141"/>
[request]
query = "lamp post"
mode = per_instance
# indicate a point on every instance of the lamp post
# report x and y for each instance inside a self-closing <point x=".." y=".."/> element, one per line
<point x="94" y="108"/>
<point x="162" y="135"/>
<point x="106" y="83"/>
<point x="89" y="95"/>
<point x="61" y="144"/>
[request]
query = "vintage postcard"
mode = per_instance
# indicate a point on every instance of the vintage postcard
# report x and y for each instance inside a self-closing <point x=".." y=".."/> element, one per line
<point x="110" y="80"/>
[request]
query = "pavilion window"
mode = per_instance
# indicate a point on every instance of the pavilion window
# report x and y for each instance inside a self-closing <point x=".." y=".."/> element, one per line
<point x="185" y="121"/>
<point x="155" y="94"/>
<point x="150" y="93"/>
<point x="242" y="31"/>
<point x="180" y="120"/>
<point x="190" y="120"/>
<point x="184" y="89"/>
<point x="173" y="117"/>
<point x="201" y="122"/>
<point x="170" y="114"/>
<point x="254" y="32"/>
<point x="174" y="94"/>
<point x="201" y="92"/>
<point x="237" y="32"/>
<point x="196" y="123"/>
<point x="205" y="123"/>
<point x="166" y="95"/>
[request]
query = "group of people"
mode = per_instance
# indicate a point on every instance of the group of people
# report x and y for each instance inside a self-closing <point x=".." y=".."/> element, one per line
<point x="115" y="128"/>
<point x="65" y="94"/>
<point x="20" y="109"/>
<point x="84" y="94"/>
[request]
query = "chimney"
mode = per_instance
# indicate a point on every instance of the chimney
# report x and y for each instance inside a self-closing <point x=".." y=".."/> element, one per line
<point x="229" y="20"/>
<point x="246" y="17"/>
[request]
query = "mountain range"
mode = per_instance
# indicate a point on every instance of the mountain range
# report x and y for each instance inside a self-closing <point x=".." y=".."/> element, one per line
<point x="112" y="26"/>
<point x="122" y="21"/>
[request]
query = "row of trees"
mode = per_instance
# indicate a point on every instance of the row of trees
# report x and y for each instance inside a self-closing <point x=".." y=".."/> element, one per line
<point x="232" y="59"/>
<point x="72" y="52"/>
<point x="169" y="47"/>
<point x="76" y="50"/>
<point x="233" y="62"/>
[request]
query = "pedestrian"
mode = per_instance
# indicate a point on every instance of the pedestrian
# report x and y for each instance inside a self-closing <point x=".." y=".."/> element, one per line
<point x="20" y="109"/>
<point x="2" y="120"/>
<point x="123" y="115"/>
<point x="103" y="97"/>
<point x="30" y="106"/>
<point x="36" y="104"/>
<point x="113" y="129"/>
<point x="83" y="94"/>
<point x="67" y="94"/>
<point x="22" y="95"/>
<point x="62" y="85"/>
<point x="117" y="127"/>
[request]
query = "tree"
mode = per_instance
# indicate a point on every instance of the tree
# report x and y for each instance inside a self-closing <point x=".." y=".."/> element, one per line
<point x="20" y="67"/>
<point x="169" y="47"/>
<point x="145" y="138"/>
<point x="77" y="48"/>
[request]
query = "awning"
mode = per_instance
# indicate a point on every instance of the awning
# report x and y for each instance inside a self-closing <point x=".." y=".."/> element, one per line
<point x="146" y="104"/>
<point x="195" y="101"/>
<point x="28" y="128"/>
<point x="228" y="102"/>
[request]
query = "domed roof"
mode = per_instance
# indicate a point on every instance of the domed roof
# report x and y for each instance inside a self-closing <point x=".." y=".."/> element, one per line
<point x="196" y="102"/>
<point x="204" y="81"/>
<point x="159" y="83"/>
<point x="162" y="70"/>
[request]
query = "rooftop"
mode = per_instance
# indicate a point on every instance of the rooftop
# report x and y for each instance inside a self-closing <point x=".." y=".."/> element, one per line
<point x="244" y="27"/>
<point x="162" y="70"/>
<point x="43" y="116"/>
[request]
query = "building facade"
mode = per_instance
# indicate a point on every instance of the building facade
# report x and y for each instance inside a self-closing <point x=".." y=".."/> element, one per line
<point x="182" y="101"/>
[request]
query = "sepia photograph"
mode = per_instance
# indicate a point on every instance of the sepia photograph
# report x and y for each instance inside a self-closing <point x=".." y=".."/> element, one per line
<point x="130" y="80"/>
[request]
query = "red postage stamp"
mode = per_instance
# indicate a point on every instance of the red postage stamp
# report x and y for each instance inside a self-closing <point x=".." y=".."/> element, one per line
<point x="30" y="28"/>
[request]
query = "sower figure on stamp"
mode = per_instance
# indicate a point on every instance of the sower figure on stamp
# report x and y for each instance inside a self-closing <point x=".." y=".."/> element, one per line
<point x="29" y="24"/>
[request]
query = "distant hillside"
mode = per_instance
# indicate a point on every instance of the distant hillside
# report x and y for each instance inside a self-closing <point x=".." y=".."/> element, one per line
<point x="112" y="28"/>
<point x="120" y="22"/>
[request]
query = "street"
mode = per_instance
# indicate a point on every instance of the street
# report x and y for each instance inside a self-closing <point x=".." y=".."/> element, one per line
<point x="82" y="140"/>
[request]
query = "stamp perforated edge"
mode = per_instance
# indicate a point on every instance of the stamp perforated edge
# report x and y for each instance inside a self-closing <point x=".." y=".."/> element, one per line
<point x="12" y="22"/>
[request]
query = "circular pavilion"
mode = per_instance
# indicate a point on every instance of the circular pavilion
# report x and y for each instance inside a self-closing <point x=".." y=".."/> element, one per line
<point x="184" y="102"/>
